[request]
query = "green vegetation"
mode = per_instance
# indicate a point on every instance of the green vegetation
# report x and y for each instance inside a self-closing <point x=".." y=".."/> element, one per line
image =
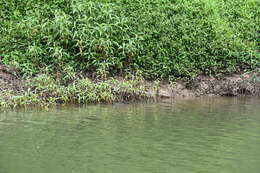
<point x="44" y="91"/>
<point x="161" y="38"/>
<point x="55" y="44"/>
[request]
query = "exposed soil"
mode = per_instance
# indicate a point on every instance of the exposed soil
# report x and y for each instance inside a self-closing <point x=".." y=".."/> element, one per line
<point x="8" y="80"/>
<point x="231" y="85"/>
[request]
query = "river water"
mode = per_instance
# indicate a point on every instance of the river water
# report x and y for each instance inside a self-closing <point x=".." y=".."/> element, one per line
<point x="201" y="135"/>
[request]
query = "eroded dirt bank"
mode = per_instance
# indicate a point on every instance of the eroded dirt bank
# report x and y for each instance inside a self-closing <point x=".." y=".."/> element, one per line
<point x="229" y="85"/>
<point x="8" y="79"/>
<point x="246" y="84"/>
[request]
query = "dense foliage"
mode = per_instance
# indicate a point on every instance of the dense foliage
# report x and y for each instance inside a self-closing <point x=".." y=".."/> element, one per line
<point x="161" y="38"/>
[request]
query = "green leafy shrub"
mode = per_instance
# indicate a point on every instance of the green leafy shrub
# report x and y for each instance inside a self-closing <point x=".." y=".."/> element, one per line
<point x="161" y="38"/>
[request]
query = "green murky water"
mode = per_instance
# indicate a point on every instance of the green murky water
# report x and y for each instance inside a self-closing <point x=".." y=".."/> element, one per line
<point x="204" y="135"/>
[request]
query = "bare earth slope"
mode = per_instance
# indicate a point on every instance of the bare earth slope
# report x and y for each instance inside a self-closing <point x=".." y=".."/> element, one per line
<point x="8" y="81"/>
<point x="231" y="85"/>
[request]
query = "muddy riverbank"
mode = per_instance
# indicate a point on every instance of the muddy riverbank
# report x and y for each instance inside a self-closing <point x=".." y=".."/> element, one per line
<point x="44" y="89"/>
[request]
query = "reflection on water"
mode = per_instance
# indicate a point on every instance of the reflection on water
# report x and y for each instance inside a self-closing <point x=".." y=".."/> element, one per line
<point x="216" y="135"/>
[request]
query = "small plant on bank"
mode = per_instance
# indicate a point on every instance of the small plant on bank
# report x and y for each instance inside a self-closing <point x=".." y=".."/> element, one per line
<point x="44" y="90"/>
